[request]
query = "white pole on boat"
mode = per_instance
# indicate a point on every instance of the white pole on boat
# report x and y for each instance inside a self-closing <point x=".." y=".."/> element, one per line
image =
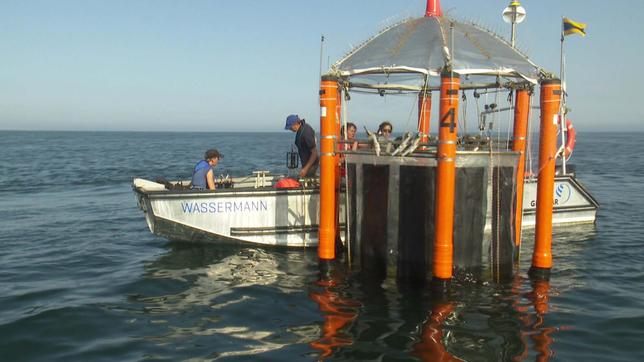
<point x="514" y="14"/>
<point x="321" y="54"/>
<point x="347" y="227"/>
<point x="562" y="110"/>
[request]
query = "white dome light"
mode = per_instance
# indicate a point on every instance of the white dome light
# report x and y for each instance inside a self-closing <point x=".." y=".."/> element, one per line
<point x="514" y="13"/>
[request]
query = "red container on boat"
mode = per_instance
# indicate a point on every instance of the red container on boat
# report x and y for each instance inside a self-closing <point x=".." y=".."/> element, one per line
<point x="287" y="183"/>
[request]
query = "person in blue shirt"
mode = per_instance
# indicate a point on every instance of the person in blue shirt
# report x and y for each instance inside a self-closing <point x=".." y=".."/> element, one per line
<point x="203" y="176"/>
<point x="306" y="145"/>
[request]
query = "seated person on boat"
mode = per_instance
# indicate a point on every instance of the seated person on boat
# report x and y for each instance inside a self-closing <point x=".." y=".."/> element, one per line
<point x="203" y="176"/>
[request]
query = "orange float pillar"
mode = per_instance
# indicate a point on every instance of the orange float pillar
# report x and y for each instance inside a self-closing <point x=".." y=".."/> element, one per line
<point x="521" y="113"/>
<point x="446" y="178"/>
<point x="328" y="120"/>
<point x="550" y="102"/>
<point x="424" y="114"/>
<point x="433" y="8"/>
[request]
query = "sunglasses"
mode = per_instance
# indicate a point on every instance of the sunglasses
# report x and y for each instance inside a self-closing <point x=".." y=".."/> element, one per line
<point x="386" y="130"/>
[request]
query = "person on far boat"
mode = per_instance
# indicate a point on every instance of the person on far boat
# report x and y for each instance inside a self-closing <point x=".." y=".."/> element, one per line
<point x="385" y="129"/>
<point x="351" y="144"/>
<point x="306" y="144"/>
<point x="203" y="176"/>
<point x="351" y="136"/>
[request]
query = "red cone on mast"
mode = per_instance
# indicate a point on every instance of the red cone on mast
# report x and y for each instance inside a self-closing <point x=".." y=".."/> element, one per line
<point x="433" y="8"/>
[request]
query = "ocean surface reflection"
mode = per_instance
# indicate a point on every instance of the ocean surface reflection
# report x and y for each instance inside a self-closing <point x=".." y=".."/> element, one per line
<point x="229" y="303"/>
<point x="82" y="278"/>
<point x="226" y="302"/>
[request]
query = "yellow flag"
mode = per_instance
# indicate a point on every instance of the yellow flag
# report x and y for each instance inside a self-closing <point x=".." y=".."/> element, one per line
<point x="573" y="27"/>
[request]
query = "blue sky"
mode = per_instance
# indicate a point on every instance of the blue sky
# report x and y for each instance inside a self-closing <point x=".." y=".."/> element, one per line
<point x="244" y="65"/>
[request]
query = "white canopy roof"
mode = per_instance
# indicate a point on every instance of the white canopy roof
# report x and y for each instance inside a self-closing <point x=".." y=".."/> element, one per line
<point x="405" y="53"/>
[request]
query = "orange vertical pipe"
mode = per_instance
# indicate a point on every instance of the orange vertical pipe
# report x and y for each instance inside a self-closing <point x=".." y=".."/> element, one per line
<point x="550" y="102"/>
<point x="424" y="114"/>
<point x="446" y="176"/>
<point x="328" y="119"/>
<point x="433" y="8"/>
<point x="521" y="112"/>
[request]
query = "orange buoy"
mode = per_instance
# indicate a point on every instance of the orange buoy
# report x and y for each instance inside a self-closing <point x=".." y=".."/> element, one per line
<point x="446" y="177"/>
<point x="521" y="112"/>
<point x="550" y="103"/>
<point x="424" y="114"/>
<point x="328" y="119"/>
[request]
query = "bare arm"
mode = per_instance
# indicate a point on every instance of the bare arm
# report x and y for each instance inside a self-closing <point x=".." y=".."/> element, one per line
<point x="210" y="179"/>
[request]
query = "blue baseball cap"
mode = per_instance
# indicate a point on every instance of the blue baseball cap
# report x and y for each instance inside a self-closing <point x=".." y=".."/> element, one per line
<point x="291" y="120"/>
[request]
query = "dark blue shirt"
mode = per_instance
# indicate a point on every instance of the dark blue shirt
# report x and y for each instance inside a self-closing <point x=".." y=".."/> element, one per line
<point x="305" y="142"/>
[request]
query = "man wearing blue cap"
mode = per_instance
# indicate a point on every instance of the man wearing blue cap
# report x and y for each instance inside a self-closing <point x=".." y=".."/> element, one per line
<point x="306" y="145"/>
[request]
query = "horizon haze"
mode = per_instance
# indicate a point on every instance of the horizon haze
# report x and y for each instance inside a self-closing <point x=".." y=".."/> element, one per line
<point x="244" y="66"/>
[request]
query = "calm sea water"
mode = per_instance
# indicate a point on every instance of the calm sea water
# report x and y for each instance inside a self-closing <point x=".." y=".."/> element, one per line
<point x="82" y="278"/>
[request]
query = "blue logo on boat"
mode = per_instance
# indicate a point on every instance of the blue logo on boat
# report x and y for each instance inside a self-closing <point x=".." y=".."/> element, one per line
<point x="563" y="192"/>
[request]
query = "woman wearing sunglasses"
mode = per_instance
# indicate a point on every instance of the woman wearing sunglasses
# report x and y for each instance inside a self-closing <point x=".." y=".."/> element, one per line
<point x="385" y="129"/>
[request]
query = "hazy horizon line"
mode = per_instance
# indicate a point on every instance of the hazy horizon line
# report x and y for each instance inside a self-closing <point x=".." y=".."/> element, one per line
<point x="247" y="131"/>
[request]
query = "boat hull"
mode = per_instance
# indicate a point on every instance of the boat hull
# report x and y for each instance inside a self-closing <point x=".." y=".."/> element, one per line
<point x="572" y="203"/>
<point x="263" y="216"/>
<point x="289" y="218"/>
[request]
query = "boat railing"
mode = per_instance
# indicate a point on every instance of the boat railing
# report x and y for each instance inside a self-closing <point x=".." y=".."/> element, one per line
<point x="388" y="147"/>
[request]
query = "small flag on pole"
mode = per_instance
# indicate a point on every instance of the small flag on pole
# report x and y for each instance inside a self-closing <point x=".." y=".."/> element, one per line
<point x="573" y="27"/>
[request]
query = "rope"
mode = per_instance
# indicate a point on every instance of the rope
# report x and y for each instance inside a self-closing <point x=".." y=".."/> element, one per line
<point x="529" y="140"/>
<point x="463" y="120"/>
<point x="411" y="112"/>
<point x="422" y="110"/>
<point x="510" y="118"/>
<point x="347" y="229"/>
<point x="478" y="112"/>
<point x="498" y="188"/>
<point x="414" y="105"/>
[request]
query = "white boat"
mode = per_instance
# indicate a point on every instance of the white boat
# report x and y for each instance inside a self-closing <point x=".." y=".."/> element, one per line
<point x="411" y="58"/>
<point x="253" y="211"/>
